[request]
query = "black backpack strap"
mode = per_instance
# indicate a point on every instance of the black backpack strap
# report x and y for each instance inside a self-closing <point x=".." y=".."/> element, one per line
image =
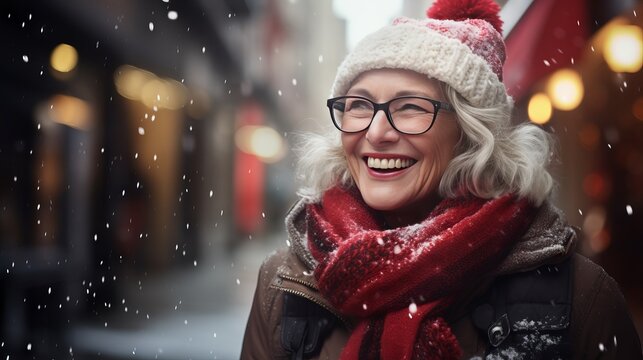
<point x="528" y="314"/>
<point x="304" y="326"/>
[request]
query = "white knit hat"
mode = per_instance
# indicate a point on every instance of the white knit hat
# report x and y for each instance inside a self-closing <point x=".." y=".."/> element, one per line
<point x="459" y="44"/>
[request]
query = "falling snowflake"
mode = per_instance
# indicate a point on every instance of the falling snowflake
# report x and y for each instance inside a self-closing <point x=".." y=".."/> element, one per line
<point x="413" y="308"/>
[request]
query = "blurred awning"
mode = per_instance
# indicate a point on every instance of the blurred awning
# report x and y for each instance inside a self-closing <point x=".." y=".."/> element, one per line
<point x="549" y="35"/>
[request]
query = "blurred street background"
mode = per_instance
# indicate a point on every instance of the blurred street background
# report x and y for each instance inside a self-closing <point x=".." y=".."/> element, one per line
<point x="146" y="159"/>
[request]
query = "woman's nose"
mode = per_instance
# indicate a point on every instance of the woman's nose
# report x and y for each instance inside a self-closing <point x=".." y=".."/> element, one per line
<point x="381" y="129"/>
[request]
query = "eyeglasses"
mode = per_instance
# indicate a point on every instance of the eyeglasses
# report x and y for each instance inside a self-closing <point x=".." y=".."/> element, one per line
<point x="410" y="115"/>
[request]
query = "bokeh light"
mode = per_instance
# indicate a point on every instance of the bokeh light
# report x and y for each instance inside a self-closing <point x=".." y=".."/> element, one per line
<point x="70" y="111"/>
<point x="623" y="50"/>
<point x="64" y="58"/>
<point x="539" y="108"/>
<point x="565" y="89"/>
<point x="141" y="85"/>
<point x="261" y="141"/>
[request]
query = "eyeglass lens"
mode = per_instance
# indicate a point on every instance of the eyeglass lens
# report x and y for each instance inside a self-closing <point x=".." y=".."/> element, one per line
<point x="409" y="114"/>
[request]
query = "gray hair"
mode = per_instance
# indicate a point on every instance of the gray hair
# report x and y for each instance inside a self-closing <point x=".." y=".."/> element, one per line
<point x="493" y="157"/>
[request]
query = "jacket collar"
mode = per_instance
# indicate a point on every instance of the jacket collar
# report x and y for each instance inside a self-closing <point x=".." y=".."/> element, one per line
<point x="296" y="227"/>
<point x="549" y="240"/>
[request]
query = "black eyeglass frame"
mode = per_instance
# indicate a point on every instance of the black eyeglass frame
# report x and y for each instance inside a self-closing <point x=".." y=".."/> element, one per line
<point x="437" y="106"/>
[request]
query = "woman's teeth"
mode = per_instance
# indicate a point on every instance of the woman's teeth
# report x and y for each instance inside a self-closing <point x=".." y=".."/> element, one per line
<point x="376" y="163"/>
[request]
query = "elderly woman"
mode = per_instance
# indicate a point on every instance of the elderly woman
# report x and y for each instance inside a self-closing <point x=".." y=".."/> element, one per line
<point x="424" y="229"/>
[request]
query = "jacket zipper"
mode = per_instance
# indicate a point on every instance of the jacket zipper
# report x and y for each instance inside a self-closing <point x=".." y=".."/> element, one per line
<point x="311" y="298"/>
<point x="299" y="281"/>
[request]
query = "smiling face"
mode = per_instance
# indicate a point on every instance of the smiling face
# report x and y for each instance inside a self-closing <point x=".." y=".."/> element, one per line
<point x="408" y="189"/>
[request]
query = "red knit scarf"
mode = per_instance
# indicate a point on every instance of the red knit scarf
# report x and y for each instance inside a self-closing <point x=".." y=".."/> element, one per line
<point x="399" y="281"/>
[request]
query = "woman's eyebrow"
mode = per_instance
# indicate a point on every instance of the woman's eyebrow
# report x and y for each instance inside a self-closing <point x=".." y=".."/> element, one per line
<point x="361" y="92"/>
<point x="367" y="94"/>
<point x="414" y="93"/>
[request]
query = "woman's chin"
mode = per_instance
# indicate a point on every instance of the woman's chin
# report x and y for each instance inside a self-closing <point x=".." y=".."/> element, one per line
<point x="388" y="201"/>
<point x="400" y="208"/>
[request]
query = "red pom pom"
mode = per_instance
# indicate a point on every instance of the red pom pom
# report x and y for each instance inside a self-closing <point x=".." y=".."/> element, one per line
<point x="466" y="9"/>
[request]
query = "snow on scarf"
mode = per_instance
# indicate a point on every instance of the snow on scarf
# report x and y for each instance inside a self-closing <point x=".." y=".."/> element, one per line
<point x="398" y="282"/>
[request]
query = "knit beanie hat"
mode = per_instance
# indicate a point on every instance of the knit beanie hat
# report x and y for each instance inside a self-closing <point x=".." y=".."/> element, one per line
<point x="460" y="43"/>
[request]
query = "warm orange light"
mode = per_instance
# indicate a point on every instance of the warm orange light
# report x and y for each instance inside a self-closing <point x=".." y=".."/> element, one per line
<point x="565" y="89"/>
<point x="140" y="85"/>
<point x="153" y="92"/>
<point x="130" y="80"/>
<point x="261" y="141"/>
<point x="70" y="111"/>
<point x="539" y="108"/>
<point x="623" y="49"/>
<point x="64" y="58"/>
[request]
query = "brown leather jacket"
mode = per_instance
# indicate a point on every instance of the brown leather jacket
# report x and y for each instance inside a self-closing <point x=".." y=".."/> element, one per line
<point x="600" y="326"/>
